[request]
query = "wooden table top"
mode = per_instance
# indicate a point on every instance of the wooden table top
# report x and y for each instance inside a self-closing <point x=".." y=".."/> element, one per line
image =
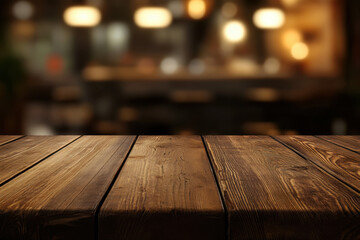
<point x="179" y="187"/>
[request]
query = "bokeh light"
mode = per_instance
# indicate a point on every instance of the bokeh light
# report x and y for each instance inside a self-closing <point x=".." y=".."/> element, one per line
<point x="23" y="10"/>
<point x="153" y="17"/>
<point x="234" y="31"/>
<point x="82" y="16"/>
<point x="196" y="9"/>
<point x="299" y="51"/>
<point x="269" y="18"/>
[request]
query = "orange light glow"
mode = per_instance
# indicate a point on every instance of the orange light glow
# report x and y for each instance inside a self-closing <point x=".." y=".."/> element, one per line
<point x="290" y="37"/>
<point x="196" y="9"/>
<point x="299" y="51"/>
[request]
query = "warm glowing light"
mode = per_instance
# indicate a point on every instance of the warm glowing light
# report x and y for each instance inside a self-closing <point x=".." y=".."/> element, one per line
<point x="290" y="3"/>
<point x="271" y="66"/>
<point x="229" y="9"/>
<point x="153" y="17"/>
<point x="269" y="18"/>
<point x="23" y="10"/>
<point x="196" y="9"/>
<point x="82" y="16"/>
<point x="299" y="51"/>
<point x="290" y="37"/>
<point x="234" y="31"/>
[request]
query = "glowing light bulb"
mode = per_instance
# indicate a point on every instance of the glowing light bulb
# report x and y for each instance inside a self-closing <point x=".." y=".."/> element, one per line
<point x="234" y="31"/>
<point x="299" y="51"/>
<point x="269" y="18"/>
<point x="153" y="17"/>
<point x="82" y="16"/>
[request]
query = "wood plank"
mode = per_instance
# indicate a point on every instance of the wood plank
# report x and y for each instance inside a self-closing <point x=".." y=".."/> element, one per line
<point x="340" y="162"/>
<point x="8" y="138"/>
<point x="58" y="198"/>
<point x="350" y="142"/>
<point x="165" y="190"/>
<point x="17" y="156"/>
<point x="272" y="193"/>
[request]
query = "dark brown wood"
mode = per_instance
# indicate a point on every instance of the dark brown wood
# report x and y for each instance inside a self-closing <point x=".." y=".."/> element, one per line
<point x="17" y="156"/>
<point x="350" y="142"/>
<point x="338" y="161"/>
<point x="165" y="190"/>
<point x="58" y="198"/>
<point x="8" y="138"/>
<point x="272" y="193"/>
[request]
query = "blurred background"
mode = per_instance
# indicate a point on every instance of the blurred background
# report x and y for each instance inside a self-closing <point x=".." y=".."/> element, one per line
<point x="180" y="67"/>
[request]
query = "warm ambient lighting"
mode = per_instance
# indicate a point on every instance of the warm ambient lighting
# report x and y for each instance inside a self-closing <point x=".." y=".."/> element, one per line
<point x="196" y="9"/>
<point x="234" y="31"/>
<point x="290" y="3"/>
<point x="153" y="17"/>
<point x="290" y="37"/>
<point x="229" y="9"/>
<point x="299" y="51"/>
<point x="269" y="18"/>
<point x="82" y="16"/>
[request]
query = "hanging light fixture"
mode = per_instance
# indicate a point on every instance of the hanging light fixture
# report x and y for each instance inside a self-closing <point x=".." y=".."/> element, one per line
<point x="152" y="17"/>
<point x="269" y="18"/>
<point x="82" y="16"/>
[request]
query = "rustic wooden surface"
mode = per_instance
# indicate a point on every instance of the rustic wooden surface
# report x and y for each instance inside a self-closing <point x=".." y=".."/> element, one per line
<point x="272" y="193"/>
<point x="338" y="161"/>
<point x="179" y="187"/>
<point x="17" y="156"/>
<point x="58" y="198"/>
<point x="7" y="138"/>
<point x="165" y="190"/>
<point x="349" y="142"/>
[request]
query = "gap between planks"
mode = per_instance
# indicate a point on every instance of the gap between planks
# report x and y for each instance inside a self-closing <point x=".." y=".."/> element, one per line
<point x="347" y="148"/>
<point x="109" y="189"/>
<point x="317" y="165"/>
<point x="227" y="217"/>
<point x="11" y="140"/>
<point x="36" y="163"/>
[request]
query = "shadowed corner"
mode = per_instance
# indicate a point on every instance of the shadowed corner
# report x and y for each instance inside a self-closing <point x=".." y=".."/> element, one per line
<point x="47" y="224"/>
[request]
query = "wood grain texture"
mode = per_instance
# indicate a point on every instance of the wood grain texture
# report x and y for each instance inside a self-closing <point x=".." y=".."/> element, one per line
<point x="350" y="142"/>
<point x="25" y="152"/>
<point x="8" y="138"/>
<point x="165" y="190"/>
<point x="58" y="198"/>
<point x="272" y="193"/>
<point x="340" y="162"/>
